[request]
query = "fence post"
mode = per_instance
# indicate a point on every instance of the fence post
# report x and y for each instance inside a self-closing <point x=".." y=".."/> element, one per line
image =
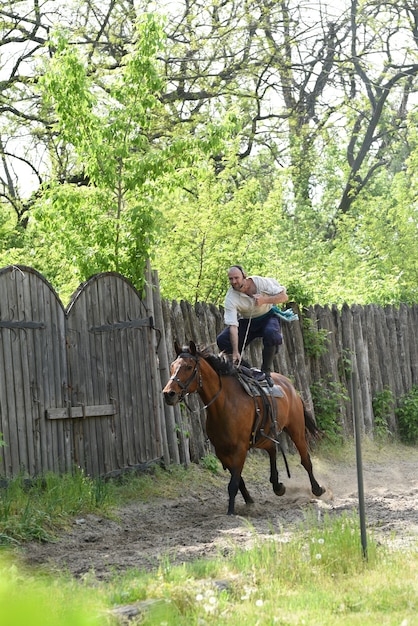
<point x="159" y="409"/>
<point x="168" y="411"/>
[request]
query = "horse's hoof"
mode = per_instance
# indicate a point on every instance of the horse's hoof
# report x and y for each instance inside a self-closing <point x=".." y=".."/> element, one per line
<point x="280" y="490"/>
<point x="319" y="492"/>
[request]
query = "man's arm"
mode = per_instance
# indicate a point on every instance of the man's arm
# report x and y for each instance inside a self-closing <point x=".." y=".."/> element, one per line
<point x="278" y="298"/>
<point x="233" y="335"/>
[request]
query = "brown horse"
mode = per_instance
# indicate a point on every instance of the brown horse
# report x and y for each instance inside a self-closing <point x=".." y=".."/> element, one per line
<point x="236" y="421"/>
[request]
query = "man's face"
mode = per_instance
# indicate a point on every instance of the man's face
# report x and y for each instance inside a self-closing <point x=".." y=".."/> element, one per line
<point x="236" y="279"/>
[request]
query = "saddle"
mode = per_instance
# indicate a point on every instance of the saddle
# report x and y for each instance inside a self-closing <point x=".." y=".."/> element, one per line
<point x="254" y="383"/>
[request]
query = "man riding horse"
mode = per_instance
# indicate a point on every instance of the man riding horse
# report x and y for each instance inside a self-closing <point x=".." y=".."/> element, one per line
<point x="250" y="313"/>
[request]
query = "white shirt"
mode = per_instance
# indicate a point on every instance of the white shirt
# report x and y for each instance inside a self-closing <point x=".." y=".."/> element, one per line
<point x="239" y="305"/>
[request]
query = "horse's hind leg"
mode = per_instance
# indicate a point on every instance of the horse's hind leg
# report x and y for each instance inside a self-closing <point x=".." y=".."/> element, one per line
<point x="305" y="459"/>
<point x="317" y="490"/>
<point x="278" y="487"/>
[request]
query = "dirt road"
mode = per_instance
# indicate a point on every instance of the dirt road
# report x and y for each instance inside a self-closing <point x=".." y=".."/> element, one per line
<point x="196" y="524"/>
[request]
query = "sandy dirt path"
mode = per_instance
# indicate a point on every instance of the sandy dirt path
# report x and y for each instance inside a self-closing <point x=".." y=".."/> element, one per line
<point x="196" y="525"/>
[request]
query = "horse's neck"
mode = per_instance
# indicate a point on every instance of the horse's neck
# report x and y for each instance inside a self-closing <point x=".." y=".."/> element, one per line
<point x="210" y="383"/>
<point x="214" y="387"/>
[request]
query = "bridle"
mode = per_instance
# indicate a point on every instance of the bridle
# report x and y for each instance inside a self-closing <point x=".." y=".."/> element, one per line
<point x="184" y="386"/>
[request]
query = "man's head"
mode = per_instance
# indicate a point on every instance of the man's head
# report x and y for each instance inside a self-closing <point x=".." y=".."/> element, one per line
<point x="236" y="277"/>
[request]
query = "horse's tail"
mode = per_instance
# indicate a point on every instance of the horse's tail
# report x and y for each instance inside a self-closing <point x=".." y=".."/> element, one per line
<point x="310" y="425"/>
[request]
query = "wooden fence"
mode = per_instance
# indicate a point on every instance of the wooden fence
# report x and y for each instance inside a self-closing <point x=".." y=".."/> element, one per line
<point x="82" y="385"/>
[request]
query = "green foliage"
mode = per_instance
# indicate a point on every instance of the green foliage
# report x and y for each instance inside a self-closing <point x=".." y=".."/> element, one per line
<point x="315" y="341"/>
<point x="345" y="364"/>
<point x="210" y="463"/>
<point x="327" y="398"/>
<point x="219" y="220"/>
<point x="407" y="415"/>
<point x="383" y="404"/>
<point x="36" y="509"/>
<point x="299" y="293"/>
<point x="27" y="599"/>
<point x="159" y="116"/>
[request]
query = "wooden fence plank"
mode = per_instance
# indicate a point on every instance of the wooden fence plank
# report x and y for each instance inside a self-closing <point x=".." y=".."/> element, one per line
<point x="10" y="452"/>
<point x="181" y="424"/>
<point x="97" y="410"/>
<point x="156" y="397"/>
<point x="349" y="349"/>
<point x="168" y="411"/>
<point x="392" y="350"/>
<point x="413" y="342"/>
<point x="363" y="369"/>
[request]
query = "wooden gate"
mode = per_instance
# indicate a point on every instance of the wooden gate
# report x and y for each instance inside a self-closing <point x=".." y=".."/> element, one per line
<point x="72" y="381"/>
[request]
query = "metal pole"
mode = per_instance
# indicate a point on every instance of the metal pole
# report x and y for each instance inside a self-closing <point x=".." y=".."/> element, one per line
<point x="357" y="435"/>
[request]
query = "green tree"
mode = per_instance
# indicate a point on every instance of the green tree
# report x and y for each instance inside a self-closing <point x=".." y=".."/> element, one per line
<point x="109" y="223"/>
<point x="295" y="113"/>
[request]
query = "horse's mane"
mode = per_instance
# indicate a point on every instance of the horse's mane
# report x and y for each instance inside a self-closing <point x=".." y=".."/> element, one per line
<point x="218" y="362"/>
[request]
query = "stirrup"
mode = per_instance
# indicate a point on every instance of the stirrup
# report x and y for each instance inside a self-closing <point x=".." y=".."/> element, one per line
<point x="269" y="379"/>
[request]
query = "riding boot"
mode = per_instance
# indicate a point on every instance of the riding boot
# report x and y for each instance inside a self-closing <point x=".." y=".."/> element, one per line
<point x="267" y="365"/>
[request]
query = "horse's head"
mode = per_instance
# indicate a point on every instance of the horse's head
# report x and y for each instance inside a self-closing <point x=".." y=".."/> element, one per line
<point x="184" y="374"/>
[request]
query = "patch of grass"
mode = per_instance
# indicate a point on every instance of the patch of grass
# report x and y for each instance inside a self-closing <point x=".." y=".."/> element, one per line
<point x="170" y="482"/>
<point x="317" y="577"/>
<point x="36" y="509"/>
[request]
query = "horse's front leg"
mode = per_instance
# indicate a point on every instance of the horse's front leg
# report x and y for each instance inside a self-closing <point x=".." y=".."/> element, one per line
<point x="243" y="489"/>
<point x="233" y="486"/>
<point x="278" y="487"/>
<point x="237" y="482"/>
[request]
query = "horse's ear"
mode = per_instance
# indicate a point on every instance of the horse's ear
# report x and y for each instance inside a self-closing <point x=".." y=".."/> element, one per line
<point x="177" y="348"/>
<point x="192" y="347"/>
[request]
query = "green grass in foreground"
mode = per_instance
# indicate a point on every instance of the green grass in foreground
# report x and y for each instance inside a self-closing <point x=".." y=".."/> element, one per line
<point x="318" y="577"/>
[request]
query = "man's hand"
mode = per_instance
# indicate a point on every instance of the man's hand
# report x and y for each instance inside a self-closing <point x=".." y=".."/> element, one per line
<point x="236" y="357"/>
